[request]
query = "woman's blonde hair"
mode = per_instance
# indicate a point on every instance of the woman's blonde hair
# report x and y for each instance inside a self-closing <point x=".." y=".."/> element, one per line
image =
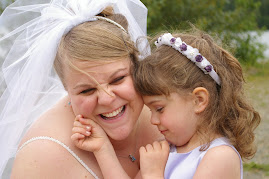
<point x="228" y="112"/>
<point x="97" y="41"/>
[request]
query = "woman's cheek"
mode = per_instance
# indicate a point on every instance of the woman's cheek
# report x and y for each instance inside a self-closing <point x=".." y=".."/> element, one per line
<point x="128" y="90"/>
<point x="82" y="105"/>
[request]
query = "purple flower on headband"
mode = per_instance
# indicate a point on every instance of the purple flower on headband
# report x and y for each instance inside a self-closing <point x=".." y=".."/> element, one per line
<point x="208" y="68"/>
<point x="173" y="40"/>
<point x="199" y="58"/>
<point x="183" y="47"/>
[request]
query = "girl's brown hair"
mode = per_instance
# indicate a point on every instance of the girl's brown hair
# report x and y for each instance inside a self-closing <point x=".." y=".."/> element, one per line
<point x="228" y="112"/>
<point x="97" y="41"/>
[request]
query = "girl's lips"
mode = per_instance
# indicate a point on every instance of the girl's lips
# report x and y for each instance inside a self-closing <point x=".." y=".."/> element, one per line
<point x="163" y="131"/>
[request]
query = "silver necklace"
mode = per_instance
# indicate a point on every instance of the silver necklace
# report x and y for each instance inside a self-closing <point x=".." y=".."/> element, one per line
<point x="131" y="156"/>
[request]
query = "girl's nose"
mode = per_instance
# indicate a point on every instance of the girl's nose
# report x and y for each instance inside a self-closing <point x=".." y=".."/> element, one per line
<point x="154" y="120"/>
<point x="105" y="95"/>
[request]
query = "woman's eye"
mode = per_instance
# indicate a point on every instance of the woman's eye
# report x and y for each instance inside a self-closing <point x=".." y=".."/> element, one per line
<point x="88" y="91"/>
<point x="116" y="80"/>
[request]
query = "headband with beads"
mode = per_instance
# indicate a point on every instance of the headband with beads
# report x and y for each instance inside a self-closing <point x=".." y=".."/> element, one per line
<point x="190" y="52"/>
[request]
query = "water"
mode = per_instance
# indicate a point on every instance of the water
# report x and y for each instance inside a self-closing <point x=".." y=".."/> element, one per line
<point x="264" y="38"/>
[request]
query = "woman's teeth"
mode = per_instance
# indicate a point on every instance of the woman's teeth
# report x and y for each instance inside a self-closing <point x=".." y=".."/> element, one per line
<point x="114" y="113"/>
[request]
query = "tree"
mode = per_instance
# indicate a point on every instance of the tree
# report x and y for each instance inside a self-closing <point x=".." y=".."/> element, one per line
<point x="263" y="18"/>
<point x="226" y="18"/>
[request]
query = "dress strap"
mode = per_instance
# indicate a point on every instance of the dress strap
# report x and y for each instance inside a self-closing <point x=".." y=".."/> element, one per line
<point x="64" y="146"/>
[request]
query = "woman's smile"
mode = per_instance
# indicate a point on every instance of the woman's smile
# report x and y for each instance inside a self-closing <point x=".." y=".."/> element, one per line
<point x="114" y="114"/>
<point x="105" y="93"/>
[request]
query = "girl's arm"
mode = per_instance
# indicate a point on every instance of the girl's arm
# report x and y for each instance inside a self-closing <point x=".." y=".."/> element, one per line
<point x="89" y="136"/>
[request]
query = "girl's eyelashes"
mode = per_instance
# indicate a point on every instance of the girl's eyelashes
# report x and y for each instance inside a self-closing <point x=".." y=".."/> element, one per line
<point x="159" y="109"/>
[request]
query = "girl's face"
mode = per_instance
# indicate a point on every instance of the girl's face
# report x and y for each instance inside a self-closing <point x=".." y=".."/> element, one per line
<point x="114" y="104"/>
<point x="174" y="116"/>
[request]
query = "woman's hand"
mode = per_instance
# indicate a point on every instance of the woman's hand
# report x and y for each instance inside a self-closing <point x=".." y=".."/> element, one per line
<point x="88" y="135"/>
<point x="153" y="159"/>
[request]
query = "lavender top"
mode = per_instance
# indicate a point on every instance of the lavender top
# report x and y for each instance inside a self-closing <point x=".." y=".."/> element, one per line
<point x="184" y="165"/>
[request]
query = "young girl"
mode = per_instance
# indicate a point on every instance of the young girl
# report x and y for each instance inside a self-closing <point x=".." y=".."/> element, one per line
<point x="194" y="89"/>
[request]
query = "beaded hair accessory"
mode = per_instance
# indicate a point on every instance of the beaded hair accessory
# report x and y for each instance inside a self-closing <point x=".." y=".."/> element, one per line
<point x="190" y="52"/>
<point x="110" y="21"/>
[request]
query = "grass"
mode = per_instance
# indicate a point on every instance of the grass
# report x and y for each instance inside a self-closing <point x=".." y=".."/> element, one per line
<point x="258" y="71"/>
<point x="257" y="78"/>
<point x="252" y="166"/>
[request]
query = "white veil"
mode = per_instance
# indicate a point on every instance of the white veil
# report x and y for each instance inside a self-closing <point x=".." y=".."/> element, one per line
<point x="32" y="31"/>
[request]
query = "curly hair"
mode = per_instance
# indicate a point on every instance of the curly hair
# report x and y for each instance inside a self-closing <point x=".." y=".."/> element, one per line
<point x="228" y="112"/>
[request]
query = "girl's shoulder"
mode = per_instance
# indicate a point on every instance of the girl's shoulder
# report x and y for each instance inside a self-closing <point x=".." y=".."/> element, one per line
<point x="220" y="161"/>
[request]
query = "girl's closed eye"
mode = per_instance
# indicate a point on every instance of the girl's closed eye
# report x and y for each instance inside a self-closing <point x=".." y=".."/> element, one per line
<point x="159" y="109"/>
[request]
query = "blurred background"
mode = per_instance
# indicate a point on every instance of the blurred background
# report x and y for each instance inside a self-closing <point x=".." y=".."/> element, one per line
<point x="243" y="27"/>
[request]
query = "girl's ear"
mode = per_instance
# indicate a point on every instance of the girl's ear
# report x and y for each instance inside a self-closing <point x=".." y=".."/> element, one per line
<point x="201" y="99"/>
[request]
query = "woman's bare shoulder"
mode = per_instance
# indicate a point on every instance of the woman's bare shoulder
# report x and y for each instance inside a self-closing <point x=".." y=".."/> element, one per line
<point x="48" y="158"/>
<point x="57" y="121"/>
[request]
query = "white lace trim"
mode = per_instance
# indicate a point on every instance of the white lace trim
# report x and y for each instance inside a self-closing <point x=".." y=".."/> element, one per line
<point x="64" y="146"/>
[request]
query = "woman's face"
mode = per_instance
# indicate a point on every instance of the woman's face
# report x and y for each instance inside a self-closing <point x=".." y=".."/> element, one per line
<point x="113" y="103"/>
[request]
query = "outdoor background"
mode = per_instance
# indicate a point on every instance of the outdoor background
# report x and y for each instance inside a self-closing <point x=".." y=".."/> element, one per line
<point x="243" y="27"/>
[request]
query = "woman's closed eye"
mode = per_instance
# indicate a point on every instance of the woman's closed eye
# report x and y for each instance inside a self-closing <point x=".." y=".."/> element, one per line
<point x="117" y="80"/>
<point x="88" y="91"/>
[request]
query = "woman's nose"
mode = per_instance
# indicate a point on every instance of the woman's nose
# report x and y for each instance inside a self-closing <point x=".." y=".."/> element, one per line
<point x="105" y="95"/>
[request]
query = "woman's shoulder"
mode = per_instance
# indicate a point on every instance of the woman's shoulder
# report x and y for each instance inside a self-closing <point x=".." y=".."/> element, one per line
<point x="54" y="122"/>
<point x="48" y="158"/>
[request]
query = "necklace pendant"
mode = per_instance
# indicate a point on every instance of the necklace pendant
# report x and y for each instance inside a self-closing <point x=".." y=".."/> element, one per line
<point x="132" y="158"/>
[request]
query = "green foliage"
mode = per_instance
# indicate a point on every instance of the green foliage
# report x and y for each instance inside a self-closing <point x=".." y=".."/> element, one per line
<point x="225" y="18"/>
<point x="209" y="15"/>
<point x="263" y="18"/>
<point x="248" y="49"/>
<point x="254" y="166"/>
<point x="4" y="3"/>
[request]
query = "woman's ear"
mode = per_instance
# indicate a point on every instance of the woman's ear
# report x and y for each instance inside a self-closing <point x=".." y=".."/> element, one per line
<point x="201" y="99"/>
